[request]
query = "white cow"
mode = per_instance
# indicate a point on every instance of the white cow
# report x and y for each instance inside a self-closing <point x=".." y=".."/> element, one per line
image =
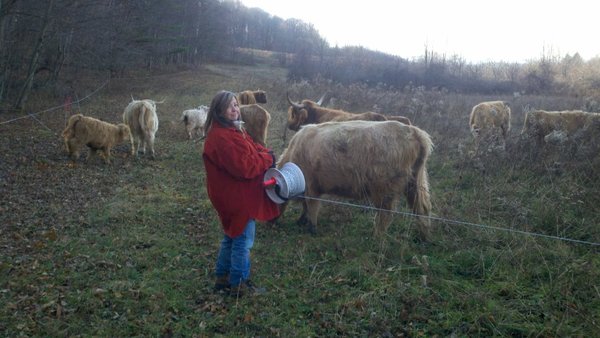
<point x="194" y="120"/>
<point x="141" y="117"/>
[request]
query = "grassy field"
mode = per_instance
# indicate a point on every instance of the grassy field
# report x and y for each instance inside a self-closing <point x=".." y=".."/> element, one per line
<point x="127" y="249"/>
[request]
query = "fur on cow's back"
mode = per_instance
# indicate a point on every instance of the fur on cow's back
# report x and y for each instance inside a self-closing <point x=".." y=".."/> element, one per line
<point x="141" y="117"/>
<point x="335" y="151"/>
<point x="541" y="122"/>
<point x="257" y="121"/>
<point x="490" y="114"/>
<point x="86" y="127"/>
<point x="95" y="134"/>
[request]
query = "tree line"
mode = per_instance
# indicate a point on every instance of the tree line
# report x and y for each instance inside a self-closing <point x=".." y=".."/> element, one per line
<point x="42" y="40"/>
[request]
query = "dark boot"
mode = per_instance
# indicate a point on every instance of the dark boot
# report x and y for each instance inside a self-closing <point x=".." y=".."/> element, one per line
<point x="222" y="283"/>
<point x="246" y="288"/>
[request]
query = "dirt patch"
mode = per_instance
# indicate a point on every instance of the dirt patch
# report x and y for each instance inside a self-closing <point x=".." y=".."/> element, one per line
<point x="42" y="190"/>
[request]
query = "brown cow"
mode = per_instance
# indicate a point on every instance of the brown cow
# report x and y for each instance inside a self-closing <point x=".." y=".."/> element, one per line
<point x="256" y="122"/>
<point x="308" y="111"/>
<point x="252" y="96"/>
<point x="141" y="117"/>
<point x="372" y="160"/>
<point x="489" y="118"/>
<point x="97" y="135"/>
<point x="552" y="126"/>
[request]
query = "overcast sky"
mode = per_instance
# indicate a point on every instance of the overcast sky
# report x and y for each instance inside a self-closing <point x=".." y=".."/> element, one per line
<point x="478" y="31"/>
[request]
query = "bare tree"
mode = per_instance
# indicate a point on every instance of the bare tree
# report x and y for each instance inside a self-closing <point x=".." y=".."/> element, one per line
<point x="26" y="89"/>
<point x="5" y="51"/>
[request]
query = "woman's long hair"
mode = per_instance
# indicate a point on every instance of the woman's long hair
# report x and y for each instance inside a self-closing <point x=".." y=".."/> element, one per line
<point x="218" y="106"/>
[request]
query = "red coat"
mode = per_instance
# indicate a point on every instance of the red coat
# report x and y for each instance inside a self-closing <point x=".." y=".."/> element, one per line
<point x="235" y="166"/>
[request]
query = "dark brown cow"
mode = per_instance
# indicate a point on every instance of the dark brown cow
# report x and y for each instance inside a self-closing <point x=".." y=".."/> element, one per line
<point x="308" y="111"/>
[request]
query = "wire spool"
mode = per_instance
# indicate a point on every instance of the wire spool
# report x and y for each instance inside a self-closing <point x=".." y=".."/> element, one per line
<point x="284" y="183"/>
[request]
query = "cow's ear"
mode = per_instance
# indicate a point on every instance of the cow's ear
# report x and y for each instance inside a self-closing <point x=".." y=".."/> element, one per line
<point x="302" y="116"/>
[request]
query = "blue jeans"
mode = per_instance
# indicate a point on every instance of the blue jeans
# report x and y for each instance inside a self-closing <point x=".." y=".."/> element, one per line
<point x="234" y="255"/>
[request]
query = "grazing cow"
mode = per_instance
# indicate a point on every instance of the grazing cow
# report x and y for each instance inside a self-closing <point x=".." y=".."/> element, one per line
<point x="256" y="122"/>
<point x="399" y="118"/>
<point x="487" y="119"/>
<point x="372" y="160"/>
<point x="140" y="116"/>
<point x="308" y="112"/>
<point x="194" y="120"/>
<point x="559" y="126"/>
<point x="97" y="135"/>
<point x="252" y="96"/>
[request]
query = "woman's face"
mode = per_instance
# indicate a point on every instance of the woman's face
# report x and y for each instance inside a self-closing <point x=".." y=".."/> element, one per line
<point x="232" y="112"/>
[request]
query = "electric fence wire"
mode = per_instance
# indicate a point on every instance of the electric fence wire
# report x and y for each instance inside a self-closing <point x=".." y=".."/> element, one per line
<point x="445" y="220"/>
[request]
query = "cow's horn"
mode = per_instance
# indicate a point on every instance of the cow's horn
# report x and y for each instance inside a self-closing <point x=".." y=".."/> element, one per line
<point x="320" y="102"/>
<point x="294" y="104"/>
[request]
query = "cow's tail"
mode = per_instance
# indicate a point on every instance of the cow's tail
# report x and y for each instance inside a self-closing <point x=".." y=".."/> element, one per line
<point x="69" y="130"/>
<point x="146" y="119"/>
<point x="417" y="190"/>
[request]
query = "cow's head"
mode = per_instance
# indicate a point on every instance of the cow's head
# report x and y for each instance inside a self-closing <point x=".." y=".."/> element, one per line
<point x="298" y="112"/>
<point x="126" y="136"/>
<point x="260" y="96"/>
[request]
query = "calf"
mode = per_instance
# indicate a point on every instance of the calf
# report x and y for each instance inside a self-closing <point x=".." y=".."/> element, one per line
<point x="194" y="120"/>
<point x="97" y="135"/>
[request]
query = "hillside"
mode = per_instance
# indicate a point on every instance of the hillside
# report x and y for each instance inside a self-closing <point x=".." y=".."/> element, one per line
<point x="127" y="249"/>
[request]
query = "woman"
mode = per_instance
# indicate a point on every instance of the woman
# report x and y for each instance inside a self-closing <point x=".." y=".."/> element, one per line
<point x="235" y="166"/>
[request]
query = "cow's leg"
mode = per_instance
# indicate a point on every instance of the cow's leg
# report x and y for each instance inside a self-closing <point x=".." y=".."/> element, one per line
<point x="67" y="147"/>
<point x="73" y="148"/>
<point x="419" y="203"/>
<point x="150" y="140"/>
<point x="141" y="145"/>
<point x="303" y="219"/>
<point x="282" y="208"/>
<point x="106" y="152"/>
<point x="312" y="211"/>
<point x="383" y="218"/>
<point x="91" y="154"/>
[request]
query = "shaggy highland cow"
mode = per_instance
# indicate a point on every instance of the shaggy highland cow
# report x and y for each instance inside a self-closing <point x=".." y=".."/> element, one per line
<point x="194" y="120"/>
<point x="141" y="117"/>
<point x="256" y="122"/>
<point x="97" y="135"/>
<point x="307" y="112"/>
<point x="575" y="128"/>
<point x="252" y="96"/>
<point x="369" y="160"/>
<point x="490" y="120"/>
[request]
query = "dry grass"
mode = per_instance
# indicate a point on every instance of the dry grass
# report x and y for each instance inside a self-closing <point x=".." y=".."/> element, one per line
<point x="127" y="249"/>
